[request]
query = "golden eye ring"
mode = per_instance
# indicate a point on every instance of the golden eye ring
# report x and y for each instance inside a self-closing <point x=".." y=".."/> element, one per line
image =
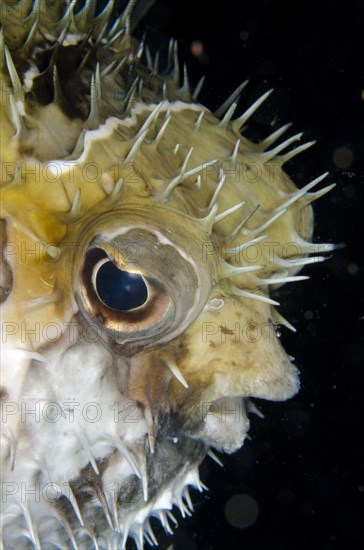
<point x="115" y="310"/>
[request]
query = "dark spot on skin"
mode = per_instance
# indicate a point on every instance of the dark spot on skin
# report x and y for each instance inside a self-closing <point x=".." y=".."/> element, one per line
<point x="214" y="408"/>
<point x="182" y="347"/>
<point x="225" y="330"/>
<point x="3" y="394"/>
<point x="25" y="150"/>
<point x="6" y="275"/>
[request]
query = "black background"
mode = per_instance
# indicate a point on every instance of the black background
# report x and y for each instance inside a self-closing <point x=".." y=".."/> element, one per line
<point x="304" y="464"/>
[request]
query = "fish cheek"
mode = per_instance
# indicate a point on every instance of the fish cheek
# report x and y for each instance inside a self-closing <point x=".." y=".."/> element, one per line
<point x="232" y="352"/>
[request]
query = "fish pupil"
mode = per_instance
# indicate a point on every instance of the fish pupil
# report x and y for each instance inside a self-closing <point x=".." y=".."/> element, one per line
<point x="120" y="290"/>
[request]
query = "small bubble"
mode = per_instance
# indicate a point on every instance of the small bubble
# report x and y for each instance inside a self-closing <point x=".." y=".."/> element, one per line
<point x="197" y="48"/>
<point x="308" y="315"/>
<point x="241" y="511"/>
<point x="353" y="268"/>
<point x="343" y="157"/>
<point x="244" y="34"/>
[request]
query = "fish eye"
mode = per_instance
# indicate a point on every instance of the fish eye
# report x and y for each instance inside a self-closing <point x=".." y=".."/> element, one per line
<point x="137" y="287"/>
<point x="118" y="289"/>
<point x="121" y="297"/>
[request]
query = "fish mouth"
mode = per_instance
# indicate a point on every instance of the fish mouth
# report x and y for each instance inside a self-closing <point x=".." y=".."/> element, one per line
<point x="150" y="491"/>
<point x="161" y="481"/>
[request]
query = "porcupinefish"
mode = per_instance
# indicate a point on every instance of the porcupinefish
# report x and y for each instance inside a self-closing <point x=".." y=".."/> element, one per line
<point x="141" y="235"/>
